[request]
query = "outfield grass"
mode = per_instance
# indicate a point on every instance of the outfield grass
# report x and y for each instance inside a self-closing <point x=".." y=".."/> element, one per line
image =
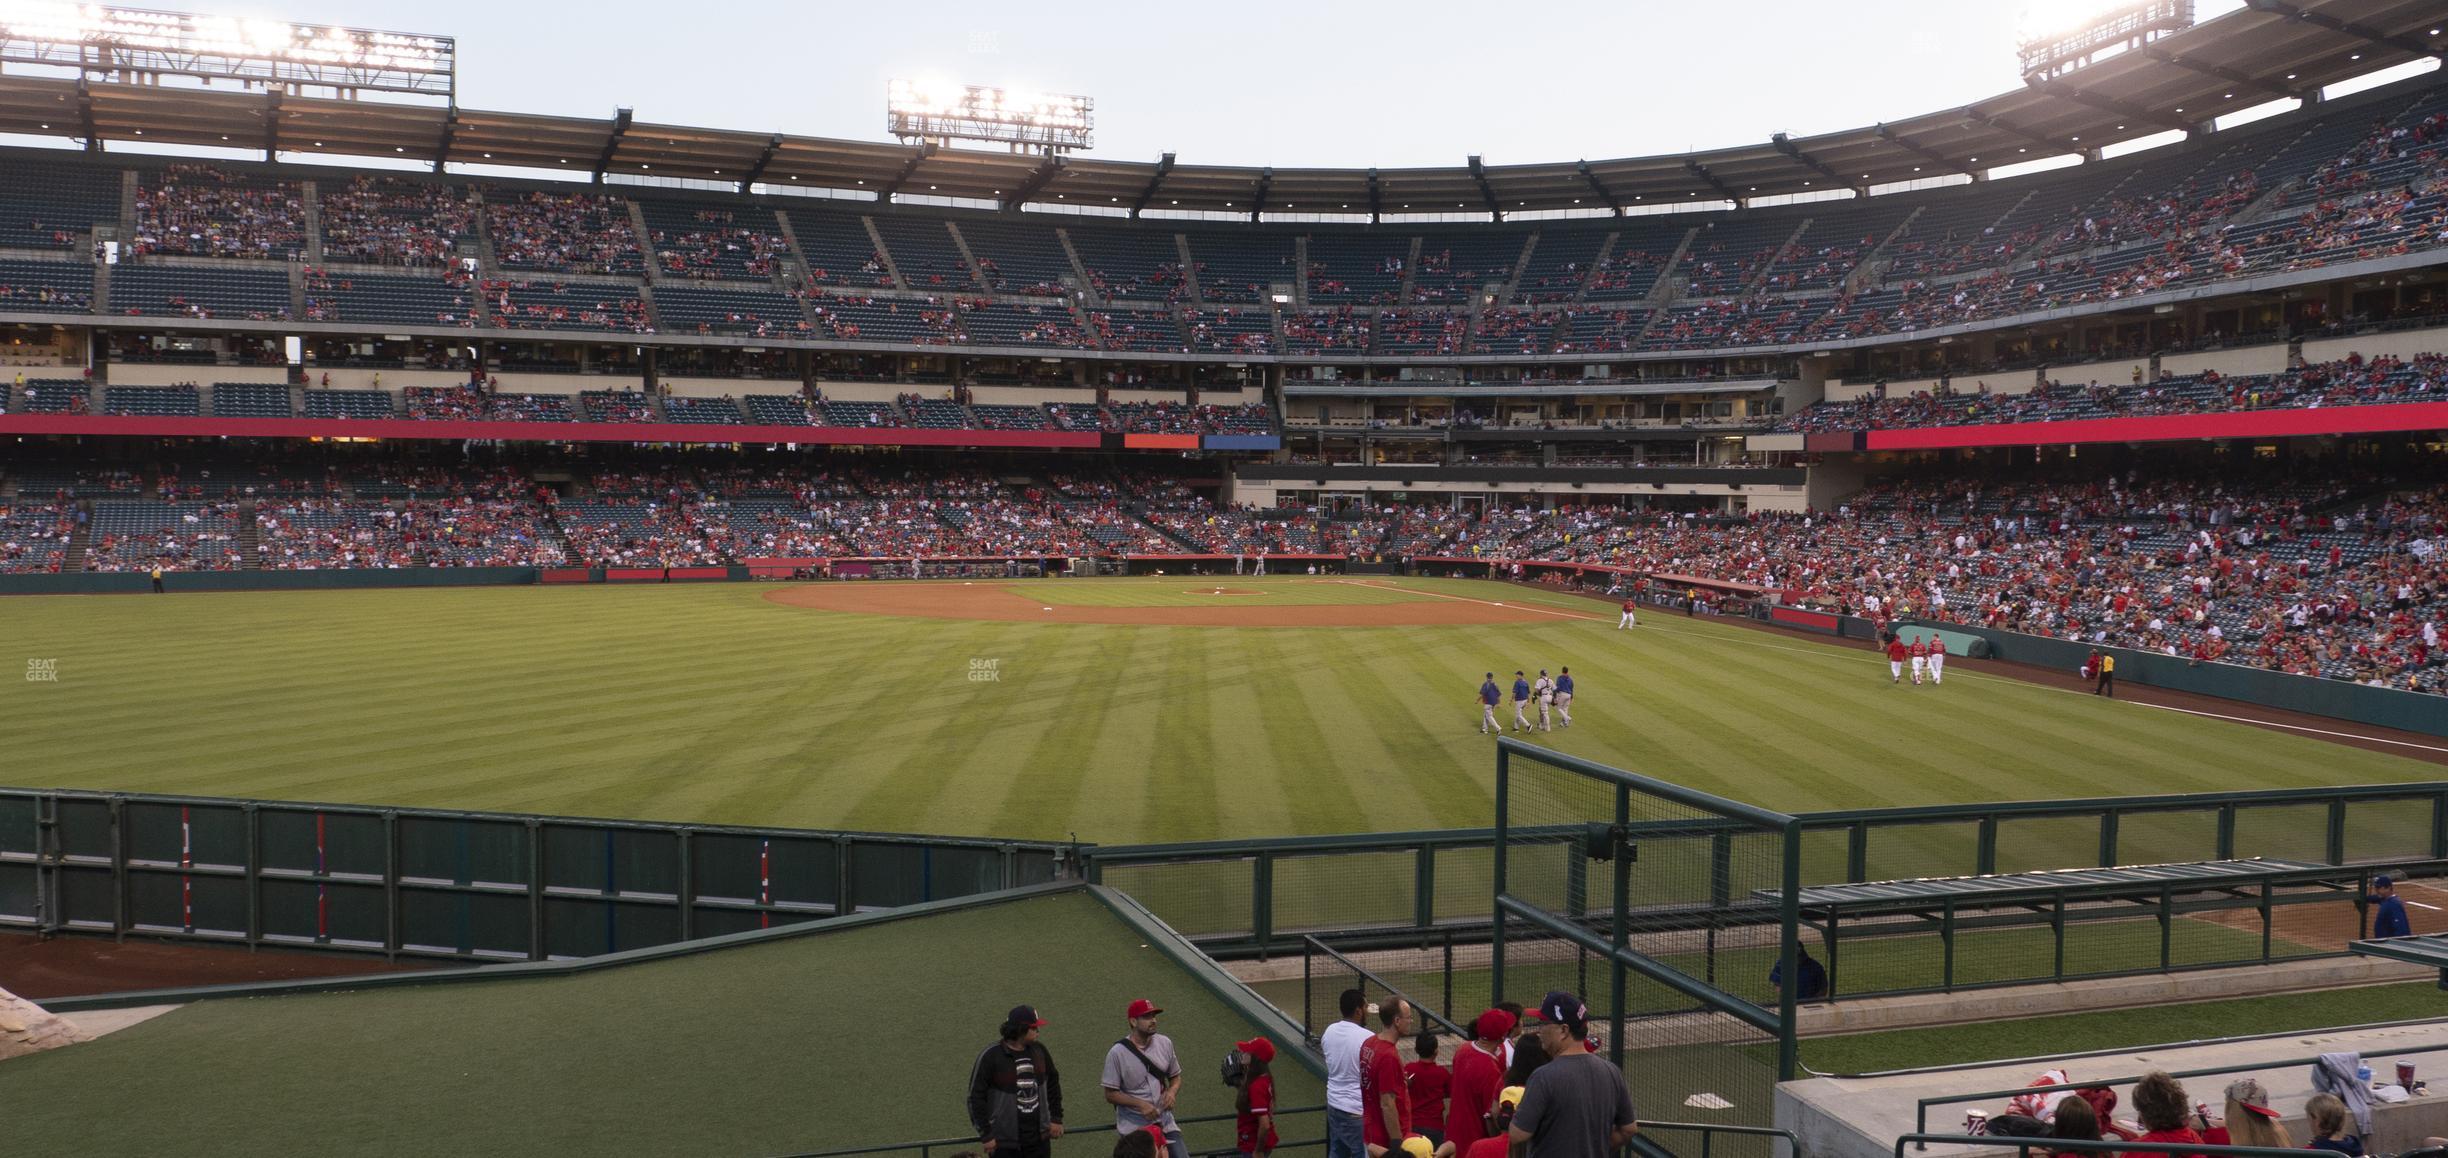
<point x="711" y="703"/>
<point x="862" y="1037"/>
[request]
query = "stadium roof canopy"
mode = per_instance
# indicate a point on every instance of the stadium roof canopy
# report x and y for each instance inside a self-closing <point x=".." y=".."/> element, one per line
<point x="2266" y="51"/>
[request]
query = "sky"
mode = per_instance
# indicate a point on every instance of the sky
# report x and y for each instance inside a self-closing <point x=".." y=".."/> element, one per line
<point x="1294" y="85"/>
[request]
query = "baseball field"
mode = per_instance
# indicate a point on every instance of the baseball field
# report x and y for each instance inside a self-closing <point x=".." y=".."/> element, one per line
<point x="1119" y="710"/>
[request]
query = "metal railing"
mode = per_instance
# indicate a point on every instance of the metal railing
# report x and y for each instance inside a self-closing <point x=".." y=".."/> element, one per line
<point x="928" y="1147"/>
<point x="454" y="884"/>
<point x="1709" y="1133"/>
<point x="1313" y="950"/>
<point x="2023" y="1147"/>
<point x="1921" y="1107"/>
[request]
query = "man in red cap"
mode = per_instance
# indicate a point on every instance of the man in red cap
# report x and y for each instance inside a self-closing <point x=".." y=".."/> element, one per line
<point x="1254" y="1105"/>
<point x="1142" y="1077"/>
<point x="1015" y="1095"/>
<point x="1478" y="1073"/>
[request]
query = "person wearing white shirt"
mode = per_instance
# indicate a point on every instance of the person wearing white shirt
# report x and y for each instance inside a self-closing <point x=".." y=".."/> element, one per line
<point x="1341" y="1044"/>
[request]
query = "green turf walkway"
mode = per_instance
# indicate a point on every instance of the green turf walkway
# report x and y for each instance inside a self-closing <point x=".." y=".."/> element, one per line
<point x="855" y="1038"/>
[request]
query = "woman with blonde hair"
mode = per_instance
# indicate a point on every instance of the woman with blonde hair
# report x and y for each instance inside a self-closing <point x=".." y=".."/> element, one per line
<point x="2250" y="1119"/>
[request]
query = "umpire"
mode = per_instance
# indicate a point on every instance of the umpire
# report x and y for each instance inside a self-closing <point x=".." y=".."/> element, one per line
<point x="1015" y="1095"/>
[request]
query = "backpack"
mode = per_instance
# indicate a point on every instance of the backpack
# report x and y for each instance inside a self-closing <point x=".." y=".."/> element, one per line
<point x="1236" y="1067"/>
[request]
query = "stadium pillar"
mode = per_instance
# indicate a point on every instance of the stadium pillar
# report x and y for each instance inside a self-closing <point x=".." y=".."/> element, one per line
<point x="647" y="367"/>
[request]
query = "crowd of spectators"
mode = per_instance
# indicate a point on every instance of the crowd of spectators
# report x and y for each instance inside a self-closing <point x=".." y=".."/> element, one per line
<point x="2351" y="381"/>
<point x="197" y="210"/>
<point x="567" y="232"/>
<point x="394" y="221"/>
<point x="717" y="246"/>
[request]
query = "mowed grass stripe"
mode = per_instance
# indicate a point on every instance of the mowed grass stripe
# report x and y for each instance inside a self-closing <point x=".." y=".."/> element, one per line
<point x="714" y="703"/>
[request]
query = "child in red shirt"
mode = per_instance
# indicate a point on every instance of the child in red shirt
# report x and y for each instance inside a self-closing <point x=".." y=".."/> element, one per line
<point x="1254" y="1119"/>
<point x="1428" y="1083"/>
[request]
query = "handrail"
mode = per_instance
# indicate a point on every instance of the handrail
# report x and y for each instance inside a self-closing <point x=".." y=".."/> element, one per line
<point x="2024" y="1146"/>
<point x="1922" y="1106"/>
<point x="1708" y="1132"/>
<point x="1310" y="943"/>
<point x="930" y="1145"/>
<point x="2155" y="802"/>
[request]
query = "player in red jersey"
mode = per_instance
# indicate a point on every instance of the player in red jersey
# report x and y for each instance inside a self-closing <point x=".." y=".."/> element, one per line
<point x="1896" y="651"/>
<point x="1920" y="659"/>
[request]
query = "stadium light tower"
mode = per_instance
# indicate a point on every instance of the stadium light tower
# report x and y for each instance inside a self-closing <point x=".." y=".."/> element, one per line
<point x="2060" y="36"/>
<point x="1050" y="123"/>
<point x="135" y="45"/>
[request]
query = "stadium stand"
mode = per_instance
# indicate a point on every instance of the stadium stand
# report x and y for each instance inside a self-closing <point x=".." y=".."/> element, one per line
<point x="1146" y="331"/>
<point x="1126" y="263"/>
<point x="198" y="210"/>
<point x="1452" y="267"/>
<point x="1560" y="260"/>
<point x="45" y="287"/>
<point x="1231" y="331"/>
<point x="714" y="243"/>
<point x="918" y="321"/>
<point x="346" y="296"/>
<point x="1347" y="269"/>
<point x="46" y="204"/>
<point x="1240" y="269"/>
<point x="561" y="233"/>
<point x="197" y="292"/>
<point x="250" y="400"/>
<point x="838" y="250"/>
<point x="136" y="535"/>
<point x="703" y="411"/>
<point x="730" y="310"/>
<point x="389" y="220"/>
<point x="558" y="305"/>
<point x="349" y="404"/>
<point x="923" y="250"/>
<point x="779" y="410"/>
<point x="34" y="535"/>
<point x="151" y="401"/>
<point x="1020" y="257"/>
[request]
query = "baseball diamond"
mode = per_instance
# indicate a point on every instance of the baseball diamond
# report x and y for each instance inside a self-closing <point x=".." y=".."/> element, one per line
<point x="1211" y="595"/>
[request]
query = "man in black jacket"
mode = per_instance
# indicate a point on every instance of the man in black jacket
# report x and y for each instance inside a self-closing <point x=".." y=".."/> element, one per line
<point x="1015" y="1095"/>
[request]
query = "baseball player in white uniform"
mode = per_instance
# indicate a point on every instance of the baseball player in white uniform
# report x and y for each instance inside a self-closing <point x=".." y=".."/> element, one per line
<point x="1545" y="690"/>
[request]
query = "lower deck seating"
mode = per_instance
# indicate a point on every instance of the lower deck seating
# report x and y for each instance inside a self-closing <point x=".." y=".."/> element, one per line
<point x="250" y="400"/>
<point x="136" y="535"/>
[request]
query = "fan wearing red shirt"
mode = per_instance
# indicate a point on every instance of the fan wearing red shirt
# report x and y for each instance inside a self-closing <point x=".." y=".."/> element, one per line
<point x="1254" y="1106"/>
<point x="1427" y="1082"/>
<point x="1498" y="1145"/>
<point x="2159" y="1101"/>
<point x="1385" y="1105"/>
<point x="1478" y="1073"/>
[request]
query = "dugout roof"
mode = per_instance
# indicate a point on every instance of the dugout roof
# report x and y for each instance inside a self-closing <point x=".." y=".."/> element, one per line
<point x="2268" y="50"/>
<point x="2128" y="880"/>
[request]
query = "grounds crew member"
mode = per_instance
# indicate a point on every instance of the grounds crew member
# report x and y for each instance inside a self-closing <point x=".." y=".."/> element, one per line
<point x="1015" y="1093"/>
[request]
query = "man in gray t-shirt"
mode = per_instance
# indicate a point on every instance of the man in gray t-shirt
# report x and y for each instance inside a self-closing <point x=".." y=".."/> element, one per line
<point x="1143" y="1076"/>
<point x="1576" y="1106"/>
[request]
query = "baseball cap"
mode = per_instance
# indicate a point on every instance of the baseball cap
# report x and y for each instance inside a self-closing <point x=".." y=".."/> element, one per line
<point x="1257" y="1047"/>
<point x="1563" y="1009"/>
<point x="1024" y="1015"/>
<point x="1418" y="1147"/>
<point x="2247" y="1093"/>
<point x="1509" y="1096"/>
<point x="2382" y="880"/>
<point x="1142" y="1008"/>
<point x="1493" y="1024"/>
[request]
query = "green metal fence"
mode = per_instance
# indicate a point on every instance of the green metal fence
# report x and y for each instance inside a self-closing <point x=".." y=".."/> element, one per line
<point x="1258" y="898"/>
<point x="468" y="885"/>
<point x="1650" y="881"/>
